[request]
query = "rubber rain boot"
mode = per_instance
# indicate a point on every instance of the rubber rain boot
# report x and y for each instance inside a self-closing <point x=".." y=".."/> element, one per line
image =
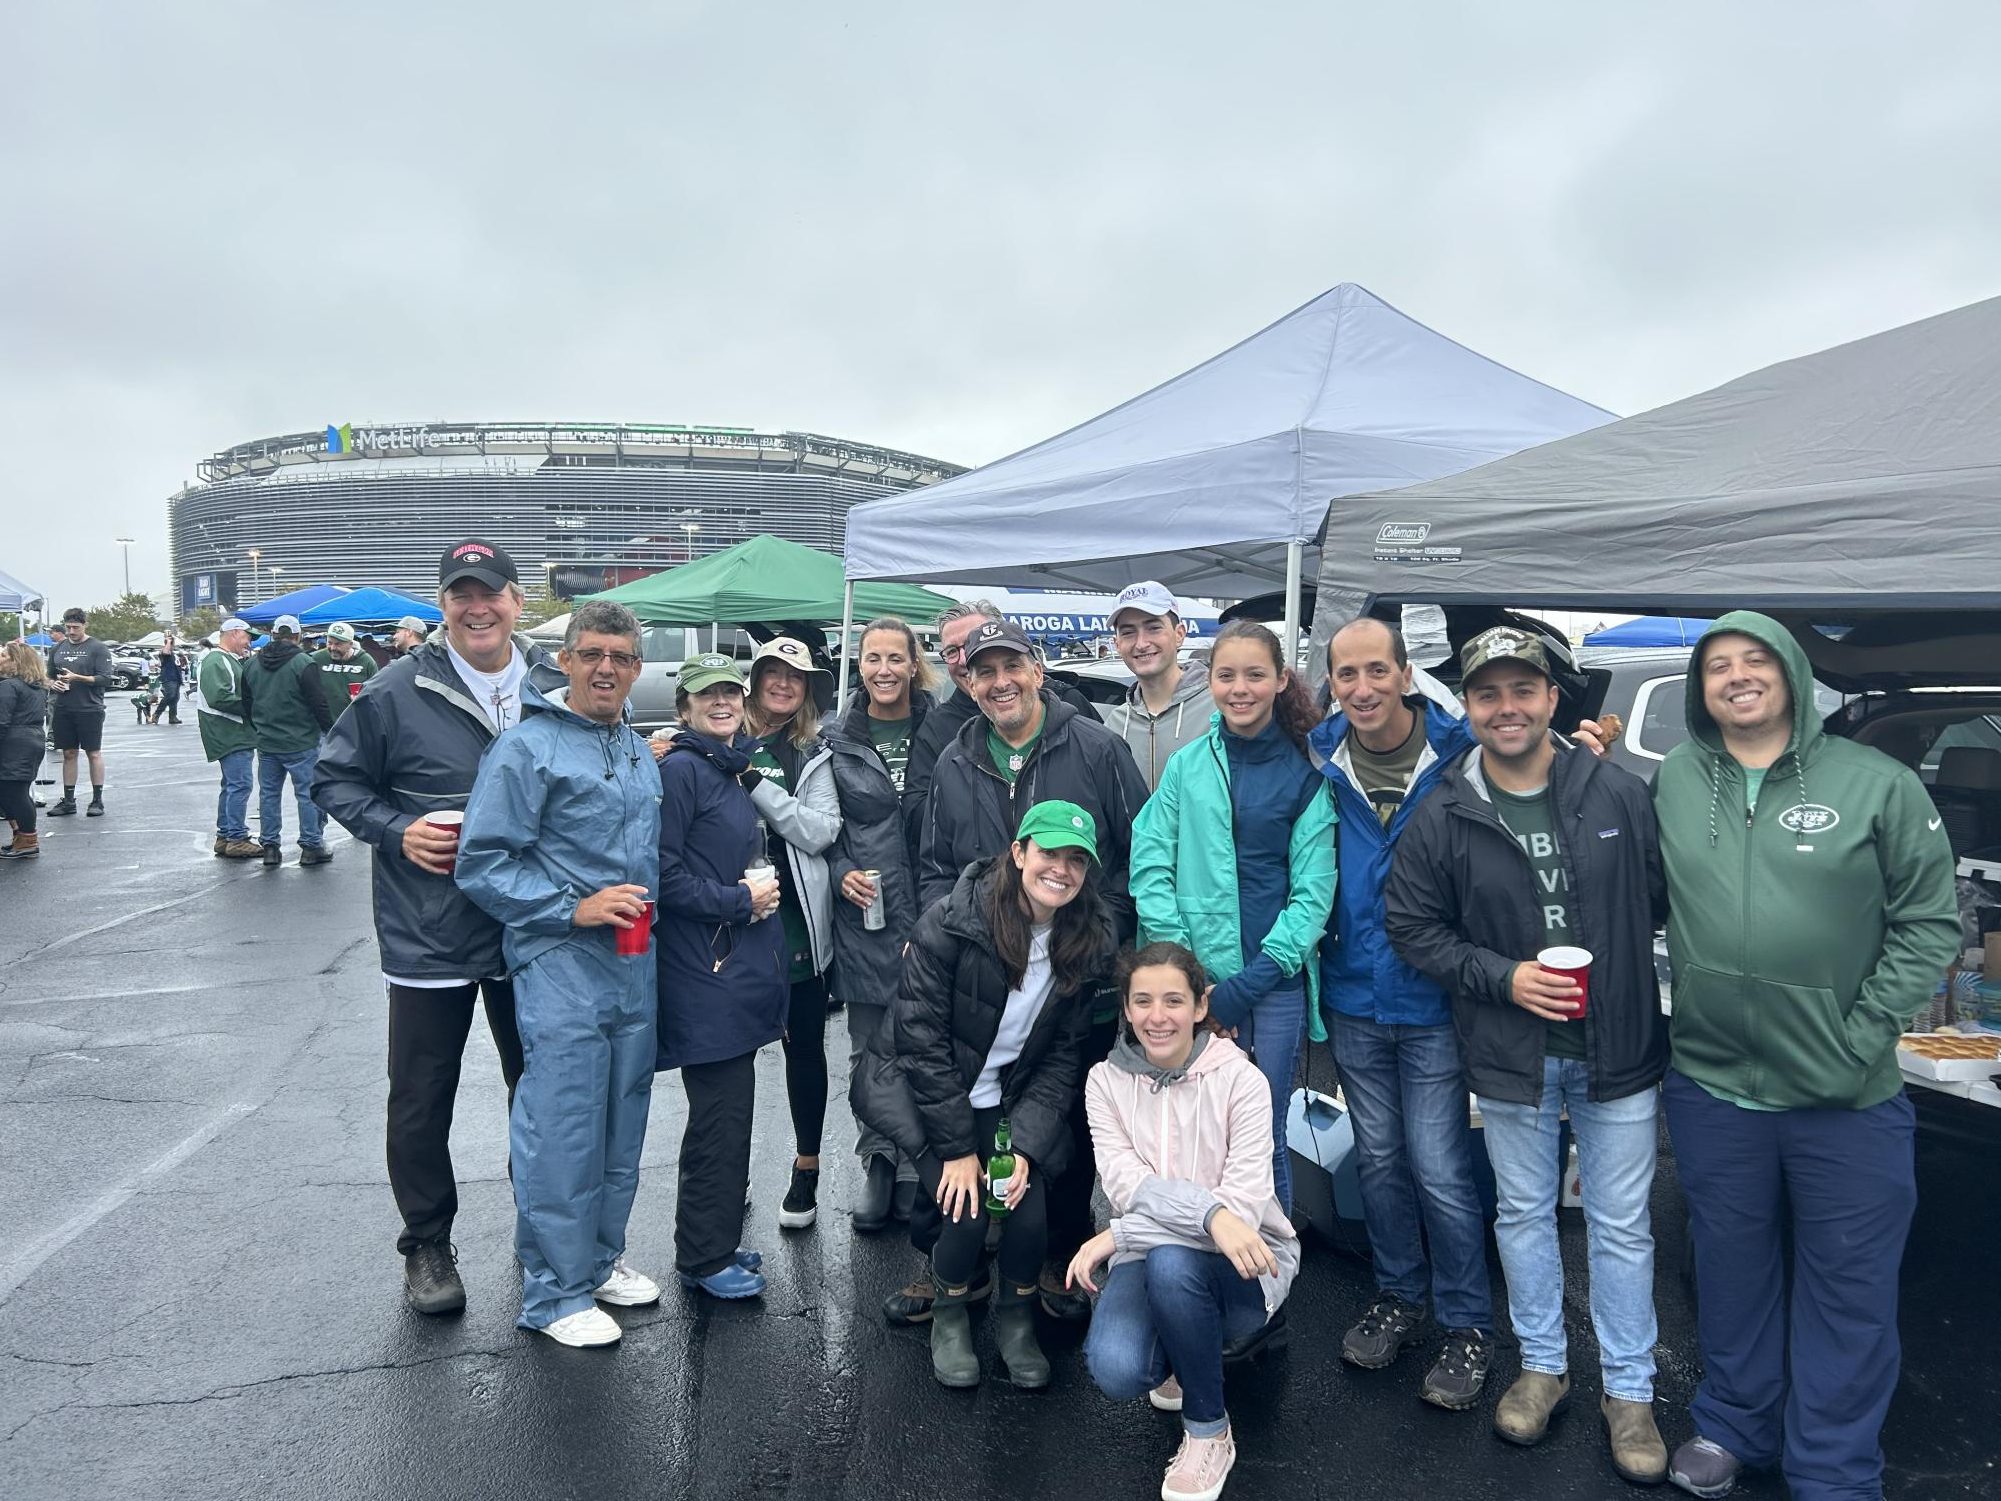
<point x="1014" y="1330"/>
<point x="953" y="1359"/>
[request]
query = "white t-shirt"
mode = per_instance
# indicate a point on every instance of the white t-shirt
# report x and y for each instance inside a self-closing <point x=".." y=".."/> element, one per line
<point x="1024" y="1005"/>
<point x="498" y="694"/>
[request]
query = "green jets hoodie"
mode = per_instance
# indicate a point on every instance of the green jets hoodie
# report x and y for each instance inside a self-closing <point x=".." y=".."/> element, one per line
<point x="1806" y="933"/>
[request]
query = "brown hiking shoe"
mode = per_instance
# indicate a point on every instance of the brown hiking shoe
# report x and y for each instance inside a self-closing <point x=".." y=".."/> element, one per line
<point x="25" y="846"/>
<point x="239" y="849"/>
<point x="1637" y="1451"/>
<point x="1524" y="1414"/>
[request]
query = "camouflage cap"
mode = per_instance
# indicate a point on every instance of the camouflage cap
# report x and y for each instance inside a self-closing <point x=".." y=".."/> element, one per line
<point x="1503" y="644"/>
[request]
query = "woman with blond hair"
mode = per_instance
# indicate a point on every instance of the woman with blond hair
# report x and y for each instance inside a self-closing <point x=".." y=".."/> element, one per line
<point x="24" y="702"/>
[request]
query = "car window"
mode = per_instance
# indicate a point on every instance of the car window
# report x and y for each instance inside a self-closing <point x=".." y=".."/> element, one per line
<point x="1659" y="723"/>
<point x="1981" y="731"/>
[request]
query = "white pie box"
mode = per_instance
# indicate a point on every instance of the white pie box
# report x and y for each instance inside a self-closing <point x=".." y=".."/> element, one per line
<point x="1921" y="1067"/>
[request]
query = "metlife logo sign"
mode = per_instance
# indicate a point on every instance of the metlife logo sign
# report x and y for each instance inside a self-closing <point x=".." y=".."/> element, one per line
<point x="1410" y="542"/>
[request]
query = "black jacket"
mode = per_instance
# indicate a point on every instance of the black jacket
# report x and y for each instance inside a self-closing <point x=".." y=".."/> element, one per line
<point x="22" y="706"/>
<point x="1461" y="907"/>
<point x="410" y="744"/>
<point x="868" y="966"/>
<point x="914" y="1081"/>
<point x="972" y="813"/>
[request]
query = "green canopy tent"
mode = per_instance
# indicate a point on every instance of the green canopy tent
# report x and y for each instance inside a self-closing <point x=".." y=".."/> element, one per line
<point x="768" y="579"/>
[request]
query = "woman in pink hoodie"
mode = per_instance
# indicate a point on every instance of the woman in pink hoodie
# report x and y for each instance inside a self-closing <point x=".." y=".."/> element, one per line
<point x="1201" y="1253"/>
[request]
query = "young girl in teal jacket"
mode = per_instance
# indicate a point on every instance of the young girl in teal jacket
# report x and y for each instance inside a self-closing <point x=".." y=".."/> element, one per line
<point x="1233" y="858"/>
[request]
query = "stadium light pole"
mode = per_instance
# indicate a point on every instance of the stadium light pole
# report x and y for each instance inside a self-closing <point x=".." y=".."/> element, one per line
<point x="256" y="589"/>
<point x="691" y="527"/>
<point x="126" y="544"/>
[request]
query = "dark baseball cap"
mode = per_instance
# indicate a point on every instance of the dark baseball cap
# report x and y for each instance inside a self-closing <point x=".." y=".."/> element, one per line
<point x="998" y="634"/>
<point x="476" y="560"/>
<point x="1503" y="644"/>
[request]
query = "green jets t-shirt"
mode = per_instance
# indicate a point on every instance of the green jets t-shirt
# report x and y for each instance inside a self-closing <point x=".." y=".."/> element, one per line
<point x="892" y="742"/>
<point x="798" y="937"/>
<point x="1385" y="776"/>
<point x="1532" y="820"/>
<point x="1754" y="778"/>
<point x="1008" y="759"/>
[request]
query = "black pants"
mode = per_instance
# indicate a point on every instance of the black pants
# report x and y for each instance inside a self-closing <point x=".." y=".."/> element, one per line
<point x="18" y="805"/>
<point x="806" y="1064"/>
<point x="172" y="704"/>
<point x="955" y="1245"/>
<point x="427" y="1043"/>
<point x="715" y="1163"/>
<point x="1071" y="1222"/>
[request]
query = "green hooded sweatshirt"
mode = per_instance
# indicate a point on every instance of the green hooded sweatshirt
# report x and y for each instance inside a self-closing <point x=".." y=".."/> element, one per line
<point x="1807" y="933"/>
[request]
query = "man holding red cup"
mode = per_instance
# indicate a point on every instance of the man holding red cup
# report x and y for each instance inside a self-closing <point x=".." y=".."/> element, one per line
<point x="1529" y="888"/>
<point x="560" y="846"/>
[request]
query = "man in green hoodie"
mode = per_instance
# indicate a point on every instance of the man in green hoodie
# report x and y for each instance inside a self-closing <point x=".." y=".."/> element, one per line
<point x="1811" y="915"/>
<point x="287" y="707"/>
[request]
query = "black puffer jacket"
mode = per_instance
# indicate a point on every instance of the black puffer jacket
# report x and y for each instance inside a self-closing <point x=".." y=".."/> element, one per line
<point x="22" y="706"/>
<point x="1461" y="907"/>
<point x="868" y="966"/>
<point x="915" y="1080"/>
<point x="973" y="812"/>
<point x="412" y="743"/>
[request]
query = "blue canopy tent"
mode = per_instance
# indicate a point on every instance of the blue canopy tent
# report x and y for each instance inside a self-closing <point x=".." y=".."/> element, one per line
<point x="266" y="611"/>
<point x="40" y="638"/>
<point x="366" y="605"/>
<point x="1651" y="630"/>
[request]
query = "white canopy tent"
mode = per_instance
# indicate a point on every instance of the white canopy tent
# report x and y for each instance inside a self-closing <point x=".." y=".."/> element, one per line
<point x="1218" y="482"/>
<point x="16" y="596"/>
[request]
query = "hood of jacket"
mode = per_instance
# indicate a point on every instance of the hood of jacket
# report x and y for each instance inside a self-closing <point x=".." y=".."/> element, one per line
<point x="1194" y="684"/>
<point x="1775" y="638"/>
<point x="1130" y="1057"/>
<point x="277" y="654"/>
<point x="854" y="724"/>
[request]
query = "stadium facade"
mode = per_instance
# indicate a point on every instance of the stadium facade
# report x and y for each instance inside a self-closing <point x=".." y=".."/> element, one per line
<point x="581" y="506"/>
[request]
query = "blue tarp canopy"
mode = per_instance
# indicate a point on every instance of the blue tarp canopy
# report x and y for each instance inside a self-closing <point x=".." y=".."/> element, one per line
<point x="1208" y="482"/>
<point x="40" y="638"/>
<point x="1651" y="630"/>
<point x="370" y="604"/>
<point x="265" y="611"/>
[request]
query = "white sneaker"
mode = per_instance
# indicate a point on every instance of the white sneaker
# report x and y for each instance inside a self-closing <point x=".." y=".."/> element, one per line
<point x="625" y="1288"/>
<point x="1167" y="1396"/>
<point x="1200" y="1467"/>
<point x="581" y="1331"/>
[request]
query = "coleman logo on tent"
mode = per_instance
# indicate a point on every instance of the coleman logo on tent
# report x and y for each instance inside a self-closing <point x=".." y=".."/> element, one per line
<point x="1403" y="533"/>
<point x="1809" y="818"/>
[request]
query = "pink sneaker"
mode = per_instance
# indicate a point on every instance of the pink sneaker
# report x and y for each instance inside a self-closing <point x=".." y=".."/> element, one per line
<point x="1167" y="1396"/>
<point x="1200" y="1467"/>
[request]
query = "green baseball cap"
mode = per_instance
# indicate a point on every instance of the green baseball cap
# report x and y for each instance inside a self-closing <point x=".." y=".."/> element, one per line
<point x="1057" y="825"/>
<point x="1503" y="644"/>
<point x="707" y="670"/>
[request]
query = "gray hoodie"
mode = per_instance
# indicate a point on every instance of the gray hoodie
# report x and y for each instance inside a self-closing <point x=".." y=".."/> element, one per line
<point x="1152" y="738"/>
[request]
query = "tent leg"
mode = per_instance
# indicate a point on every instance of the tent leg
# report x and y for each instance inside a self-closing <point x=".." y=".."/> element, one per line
<point x="847" y="630"/>
<point x="1295" y="553"/>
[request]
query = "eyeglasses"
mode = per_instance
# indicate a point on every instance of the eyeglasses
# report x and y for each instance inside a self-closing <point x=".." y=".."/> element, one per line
<point x="590" y="656"/>
<point x="953" y="653"/>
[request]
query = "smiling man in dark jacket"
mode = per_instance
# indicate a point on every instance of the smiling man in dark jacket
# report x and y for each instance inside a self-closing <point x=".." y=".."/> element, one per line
<point x="411" y="745"/>
<point x="1532" y="845"/>
<point x="1814" y="912"/>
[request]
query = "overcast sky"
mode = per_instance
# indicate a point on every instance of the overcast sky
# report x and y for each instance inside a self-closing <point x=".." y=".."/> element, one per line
<point x="946" y="228"/>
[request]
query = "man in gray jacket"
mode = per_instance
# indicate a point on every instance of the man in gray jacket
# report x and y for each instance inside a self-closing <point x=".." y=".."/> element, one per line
<point x="1169" y="706"/>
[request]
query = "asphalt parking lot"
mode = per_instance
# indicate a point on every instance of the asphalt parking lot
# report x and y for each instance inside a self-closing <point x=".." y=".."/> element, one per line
<point x="200" y="1297"/>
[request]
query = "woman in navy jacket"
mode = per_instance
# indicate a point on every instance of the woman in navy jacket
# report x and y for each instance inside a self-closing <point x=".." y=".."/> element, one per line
<point x="721" y="970"/>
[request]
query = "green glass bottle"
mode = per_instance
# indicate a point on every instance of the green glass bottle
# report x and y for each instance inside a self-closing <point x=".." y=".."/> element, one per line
<point x="1000" y="1172"/>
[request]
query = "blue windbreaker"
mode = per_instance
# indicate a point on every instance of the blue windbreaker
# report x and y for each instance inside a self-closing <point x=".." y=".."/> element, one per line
<point x="1360" y="974"/>
<point x="563" y="807"/>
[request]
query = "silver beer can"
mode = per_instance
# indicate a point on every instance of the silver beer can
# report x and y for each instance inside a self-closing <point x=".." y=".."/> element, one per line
<point x="873" y="915"/>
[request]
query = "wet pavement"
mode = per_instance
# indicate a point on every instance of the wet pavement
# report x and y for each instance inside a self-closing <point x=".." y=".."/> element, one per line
<point x="200" y="1297"/>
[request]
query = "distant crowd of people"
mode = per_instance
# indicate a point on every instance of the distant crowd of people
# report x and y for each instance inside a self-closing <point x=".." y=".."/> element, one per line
<point x="1081" y="952"/>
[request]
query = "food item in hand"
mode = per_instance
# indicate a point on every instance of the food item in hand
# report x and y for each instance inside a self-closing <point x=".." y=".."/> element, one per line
<point x="1611" y="727"/>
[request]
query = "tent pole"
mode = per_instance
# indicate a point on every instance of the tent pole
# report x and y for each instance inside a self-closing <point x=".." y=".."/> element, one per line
<point x="847" y="630"/>
<point x="1294" y="555"/>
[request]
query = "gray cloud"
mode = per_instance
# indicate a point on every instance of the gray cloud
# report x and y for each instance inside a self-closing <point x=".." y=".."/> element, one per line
<point x="944" y="229"/>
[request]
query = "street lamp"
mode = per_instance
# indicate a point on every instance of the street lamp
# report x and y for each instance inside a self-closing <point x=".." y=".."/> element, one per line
<point x="256" y="589"/>
<point x="691" y="527"/>
<point x="126" y="543"/>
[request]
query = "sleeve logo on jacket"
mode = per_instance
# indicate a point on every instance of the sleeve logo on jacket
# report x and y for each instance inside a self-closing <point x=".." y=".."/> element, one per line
<point x="1809" y="818"/>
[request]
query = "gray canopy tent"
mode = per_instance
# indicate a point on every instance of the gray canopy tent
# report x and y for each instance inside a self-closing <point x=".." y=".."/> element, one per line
<point x="1217" y="482"/>
<point x="1862" y="479"/>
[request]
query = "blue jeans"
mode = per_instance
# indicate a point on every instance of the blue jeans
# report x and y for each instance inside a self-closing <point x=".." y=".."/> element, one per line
<point x="232" y="808"/>
<point x="272" y="769"/>
<point x="1617" y="1141"/>
<point x="1273" y="1030"/>
<point x="1407" y="1101"/>
<point x="1173" y="1311"/>
<point x="1805" y="1385"/>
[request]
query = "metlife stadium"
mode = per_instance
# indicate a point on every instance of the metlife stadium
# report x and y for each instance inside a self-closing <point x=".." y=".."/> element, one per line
<point x="581" y="506"/>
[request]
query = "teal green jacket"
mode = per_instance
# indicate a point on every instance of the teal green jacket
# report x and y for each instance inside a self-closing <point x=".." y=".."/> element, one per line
<point x="224" y="721"/>
<point x="1805" y="934"/>
<point x="1184" y="871"/>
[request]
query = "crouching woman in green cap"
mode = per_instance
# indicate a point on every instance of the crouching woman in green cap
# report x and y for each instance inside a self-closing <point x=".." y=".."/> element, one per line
<point x="988" y="1028"/>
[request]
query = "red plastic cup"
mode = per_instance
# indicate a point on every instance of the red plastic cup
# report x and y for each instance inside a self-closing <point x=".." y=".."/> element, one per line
<point x="354" y="690"/>
<point x="450" y="820"/>
<point x="638" y="938"/>
<point x="1572" y="964"/>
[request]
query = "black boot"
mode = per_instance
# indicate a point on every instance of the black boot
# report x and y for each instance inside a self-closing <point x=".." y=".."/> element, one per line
<point x="878" y="1189"/>
<point x="1014" y="1330"/>
<point x="953" y="1360"/>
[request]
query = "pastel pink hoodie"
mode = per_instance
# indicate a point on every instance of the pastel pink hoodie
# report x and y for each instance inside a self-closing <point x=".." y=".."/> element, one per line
<point x="1172" y="1149"/>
